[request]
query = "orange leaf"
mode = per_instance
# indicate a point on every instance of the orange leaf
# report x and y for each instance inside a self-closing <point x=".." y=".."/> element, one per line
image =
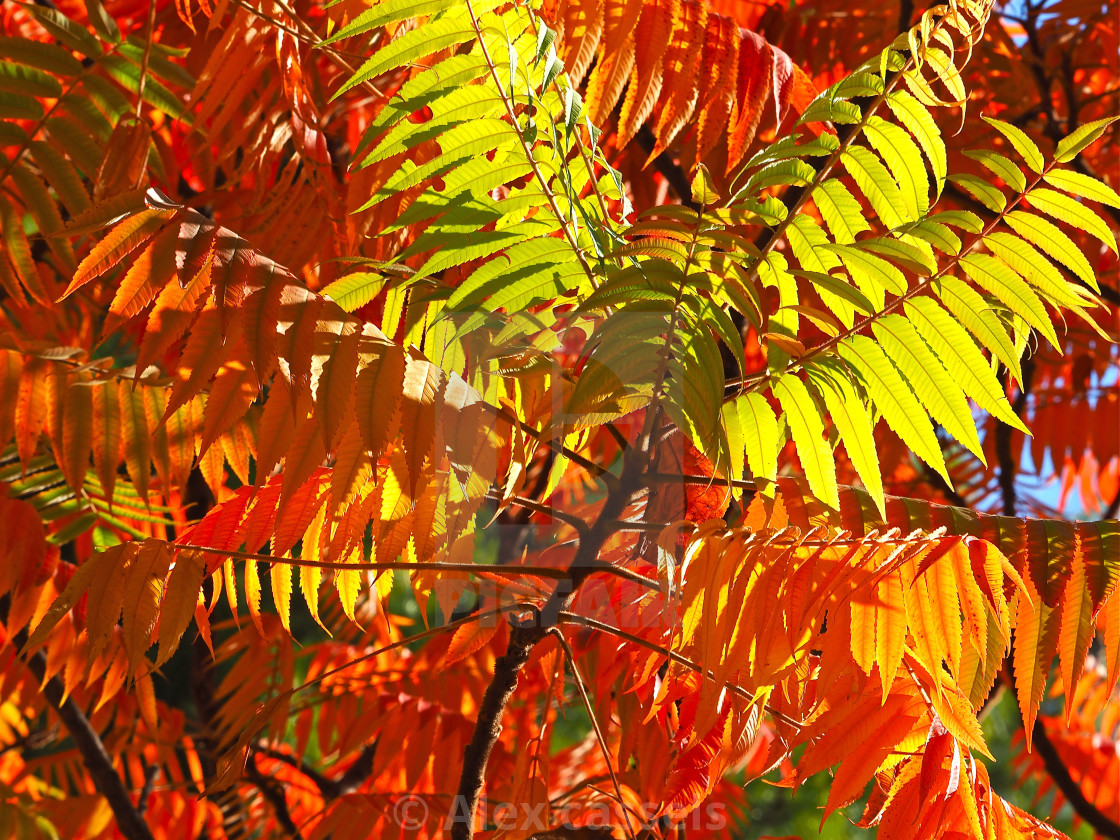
<point x="275" y="429"/>
<point x="118" y="244"/>
<point x="864" y="627"/>
<point x="106" y="593"/>
<point x="470" y="638"/>
<point x="11" y="371"/>
<point x="379" y="393"/>
<point x="1076" y="629"/>
<point x="857" y="768"/>
<point x="201" y="357"/>
<point x="180" y="597"/>
<point x="583" y="26"/>
<point x="682" y="60"/>
<point x="126" y="159"/>
<point x="890" y="628"/>
<point x="296" y="514"/>
<point x="233" y="391"/>
<point x="928" y="636"/>
<point x="107" y="435"/>
<point x="23" y="550"/>
<point x="1112" y="638"/>
<point x="137" y="438"/>
<point x="32" y="405"/>
<point x="333" y="365"/>
<point x="955" y="712"/>
<point x="615" y="61"/>
<point x="173" y="313"/>
<point x="74" y="400"/>
<point x="142" y="594"/>
<point x="651" y="39"/>
<point x="421" y="381"/>
<point x="1036" y="640"/>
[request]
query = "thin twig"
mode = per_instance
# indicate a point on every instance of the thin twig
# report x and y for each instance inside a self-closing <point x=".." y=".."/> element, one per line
<point x="543" y="509"/>
<point x="548" y="572"/>
<point x="418" y="637"/>
<point x="147" y="56"/>
<point x="325" y="784"/>
<point x="151" y="775"/>
<point x="619" y="438"/>
<point x="573" y="456"/>
<point x="94" y="755"/>
<point x="746" y="383"/>
<point x="488" y="728"/>
<point x="1072" y="791"/>
<point x="673" y="656"/>
<point x="561" y="219"/>
<point x="525" y="636"/>
<point x="582" y="688"/>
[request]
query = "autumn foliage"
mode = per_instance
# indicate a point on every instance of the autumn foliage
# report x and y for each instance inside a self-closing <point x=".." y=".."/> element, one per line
<point x="477" y="418"/>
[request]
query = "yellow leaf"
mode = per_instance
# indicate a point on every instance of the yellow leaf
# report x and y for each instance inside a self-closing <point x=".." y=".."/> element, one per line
<point x="229" y="579"/>
<point x="253" y="593"/>
<point x="281" y="575"/>
<point x="1036" y="638"/>
<point x="955" y="712"/>
<point x="864" y="626"/>
<point x="890" y="628"/>
<point x="928" y="640"/>
<point x="348" y="582"/>
<point x="311" y="576"/>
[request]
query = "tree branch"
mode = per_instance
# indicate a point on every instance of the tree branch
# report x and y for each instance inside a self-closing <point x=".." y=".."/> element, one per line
<point x="905" y="15"/>
<point x="1070" y="789"/>
<point x="488" y="728"/>
<point x="326" y="785"/>
<point x="274" y="794"/>
<point x="352" y="778"/>
<point x="94" y="755"/>
<point x="1107" y="293"/>
<point x="670" y="170"/>
<point x="202" y="690"/>
<point x="938" y="481"/>
<point x="1057" y="770"/>
<point x="1113" y="507"/>
<point x="349" y="781"/>
<point x="1004" y="453"/>
<point x="151" y="776"/>
<point x="524" y="635"/>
